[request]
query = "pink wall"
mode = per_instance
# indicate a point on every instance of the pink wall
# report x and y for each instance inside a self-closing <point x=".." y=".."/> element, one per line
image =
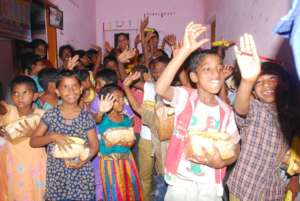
<point x="235" y="17"/>
<point x="166" y="16"/>
<point x="79" y="23"/>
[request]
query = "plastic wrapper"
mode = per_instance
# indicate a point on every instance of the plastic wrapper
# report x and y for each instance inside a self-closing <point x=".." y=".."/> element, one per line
<point x="77" y="151"/>
<point x="210" y="141"/>
<point x="13" y="128"/>
<point x="292" y="157"/>
<point x="90" y="97"/>
<point x="119" y="136"/>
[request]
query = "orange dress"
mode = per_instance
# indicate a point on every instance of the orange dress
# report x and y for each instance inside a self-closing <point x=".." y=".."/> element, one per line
<point x="25" y="167"/>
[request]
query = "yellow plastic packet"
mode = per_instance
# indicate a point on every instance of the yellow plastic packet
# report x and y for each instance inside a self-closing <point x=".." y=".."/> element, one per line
<point x="288" y="196"/>
<point x="294" y="157"/>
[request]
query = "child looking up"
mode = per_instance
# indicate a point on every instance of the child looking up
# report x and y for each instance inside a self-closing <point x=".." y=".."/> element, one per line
<point x="198" y="109"/>
<point x="67" y="181"/>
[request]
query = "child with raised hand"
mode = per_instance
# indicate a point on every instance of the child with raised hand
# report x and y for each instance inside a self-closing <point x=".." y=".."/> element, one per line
<point x="198" y="178"/>
<point x="118" y="170"/>
<point x="73" y="180"/>
<point x="262" y="114"/>
<point x="104" y="77"/>
<point x="26" y="173"/>
<point x="47" y="79"/>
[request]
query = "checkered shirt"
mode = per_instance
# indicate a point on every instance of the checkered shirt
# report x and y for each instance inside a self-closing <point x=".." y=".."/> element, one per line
<point x="256" y="175"/>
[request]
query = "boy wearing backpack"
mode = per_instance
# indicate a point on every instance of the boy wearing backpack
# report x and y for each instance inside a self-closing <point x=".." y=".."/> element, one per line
<point x="199" y="178"/>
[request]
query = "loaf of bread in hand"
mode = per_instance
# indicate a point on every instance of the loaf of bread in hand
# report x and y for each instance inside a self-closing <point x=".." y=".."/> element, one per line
<point x="76" y="149"/>
<point x="119" y="136"/>
<point x="13" y="128"/>
<point x="211" y="141"/>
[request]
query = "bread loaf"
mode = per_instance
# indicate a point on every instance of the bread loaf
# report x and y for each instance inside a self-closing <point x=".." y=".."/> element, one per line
<point x="77" y="149"/>
<point x="13" y="127"/>
<point x="210" y="141"/>
<point x="119" y="136"/>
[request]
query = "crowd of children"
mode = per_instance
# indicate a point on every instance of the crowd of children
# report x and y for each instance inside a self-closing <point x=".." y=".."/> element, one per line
<point x="94" y="93"/>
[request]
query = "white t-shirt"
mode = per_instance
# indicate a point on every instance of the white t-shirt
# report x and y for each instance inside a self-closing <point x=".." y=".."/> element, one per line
<point x="149" y="95"/>
<point x="204" y="118"/>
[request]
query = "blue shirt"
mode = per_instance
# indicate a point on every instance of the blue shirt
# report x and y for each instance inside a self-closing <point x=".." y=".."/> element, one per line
<point x="106" y="124"/>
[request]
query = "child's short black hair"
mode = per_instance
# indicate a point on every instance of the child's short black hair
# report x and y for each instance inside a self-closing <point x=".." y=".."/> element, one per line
<point x="163" y="53"/>
<point x="109" y="58"/>
<point x="46" y="76"/>
<point x="108" y="75"/>
<point x="155" y="32"/>
<point x="270" y="68"/>
<point x="29" y="59"/>
<point x="66" y="73"/>
<point x="110" y="88"/>
<point x="82" y="74"/>
<point x="80" y="53"/>
<point x="197" y="57"/>
<point x="91" y="52"/>
<point x="23" y="79"/>
<point x="141" y="69"/>
<point x="37" y="42"/>
<point x="162" y="59"/>
<point x="63" y="48"/>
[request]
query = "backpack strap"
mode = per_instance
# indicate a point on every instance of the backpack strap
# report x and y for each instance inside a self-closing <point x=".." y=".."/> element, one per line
<point x="178" y="141"/>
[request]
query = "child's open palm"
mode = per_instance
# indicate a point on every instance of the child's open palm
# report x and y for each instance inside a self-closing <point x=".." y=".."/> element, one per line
<point x="192" y="32"/>
<point x="72" y="62"/>
<point x="247" y="58"/>
<point x="126" y="55"/>
<point x="131" y="78"/>
<point x="106" y="103"/>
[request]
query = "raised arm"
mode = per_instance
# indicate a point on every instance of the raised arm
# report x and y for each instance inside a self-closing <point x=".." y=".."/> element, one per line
<point x="190" y="44"/>
<point x="250" y="68"/>
<point x="143" y="25"/>
<point x="132" y="101"/>
<point x="106" y="103"/>
<point x="124" y="58"/>
<point x="98" y="61"/>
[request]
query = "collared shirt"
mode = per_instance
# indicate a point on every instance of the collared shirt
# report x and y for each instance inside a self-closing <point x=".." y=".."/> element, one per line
<point x="256" y="175"/>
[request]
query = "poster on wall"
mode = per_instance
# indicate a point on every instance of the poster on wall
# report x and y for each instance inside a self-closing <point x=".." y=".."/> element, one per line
<point x="15" y="19"/>
<point x="111" y="29"/>
<point x="56" y="17"/>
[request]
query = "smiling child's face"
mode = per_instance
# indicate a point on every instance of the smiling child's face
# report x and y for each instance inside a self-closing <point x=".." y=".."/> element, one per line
<point x="208" y="75"/>
<point x="265" y="88"/>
